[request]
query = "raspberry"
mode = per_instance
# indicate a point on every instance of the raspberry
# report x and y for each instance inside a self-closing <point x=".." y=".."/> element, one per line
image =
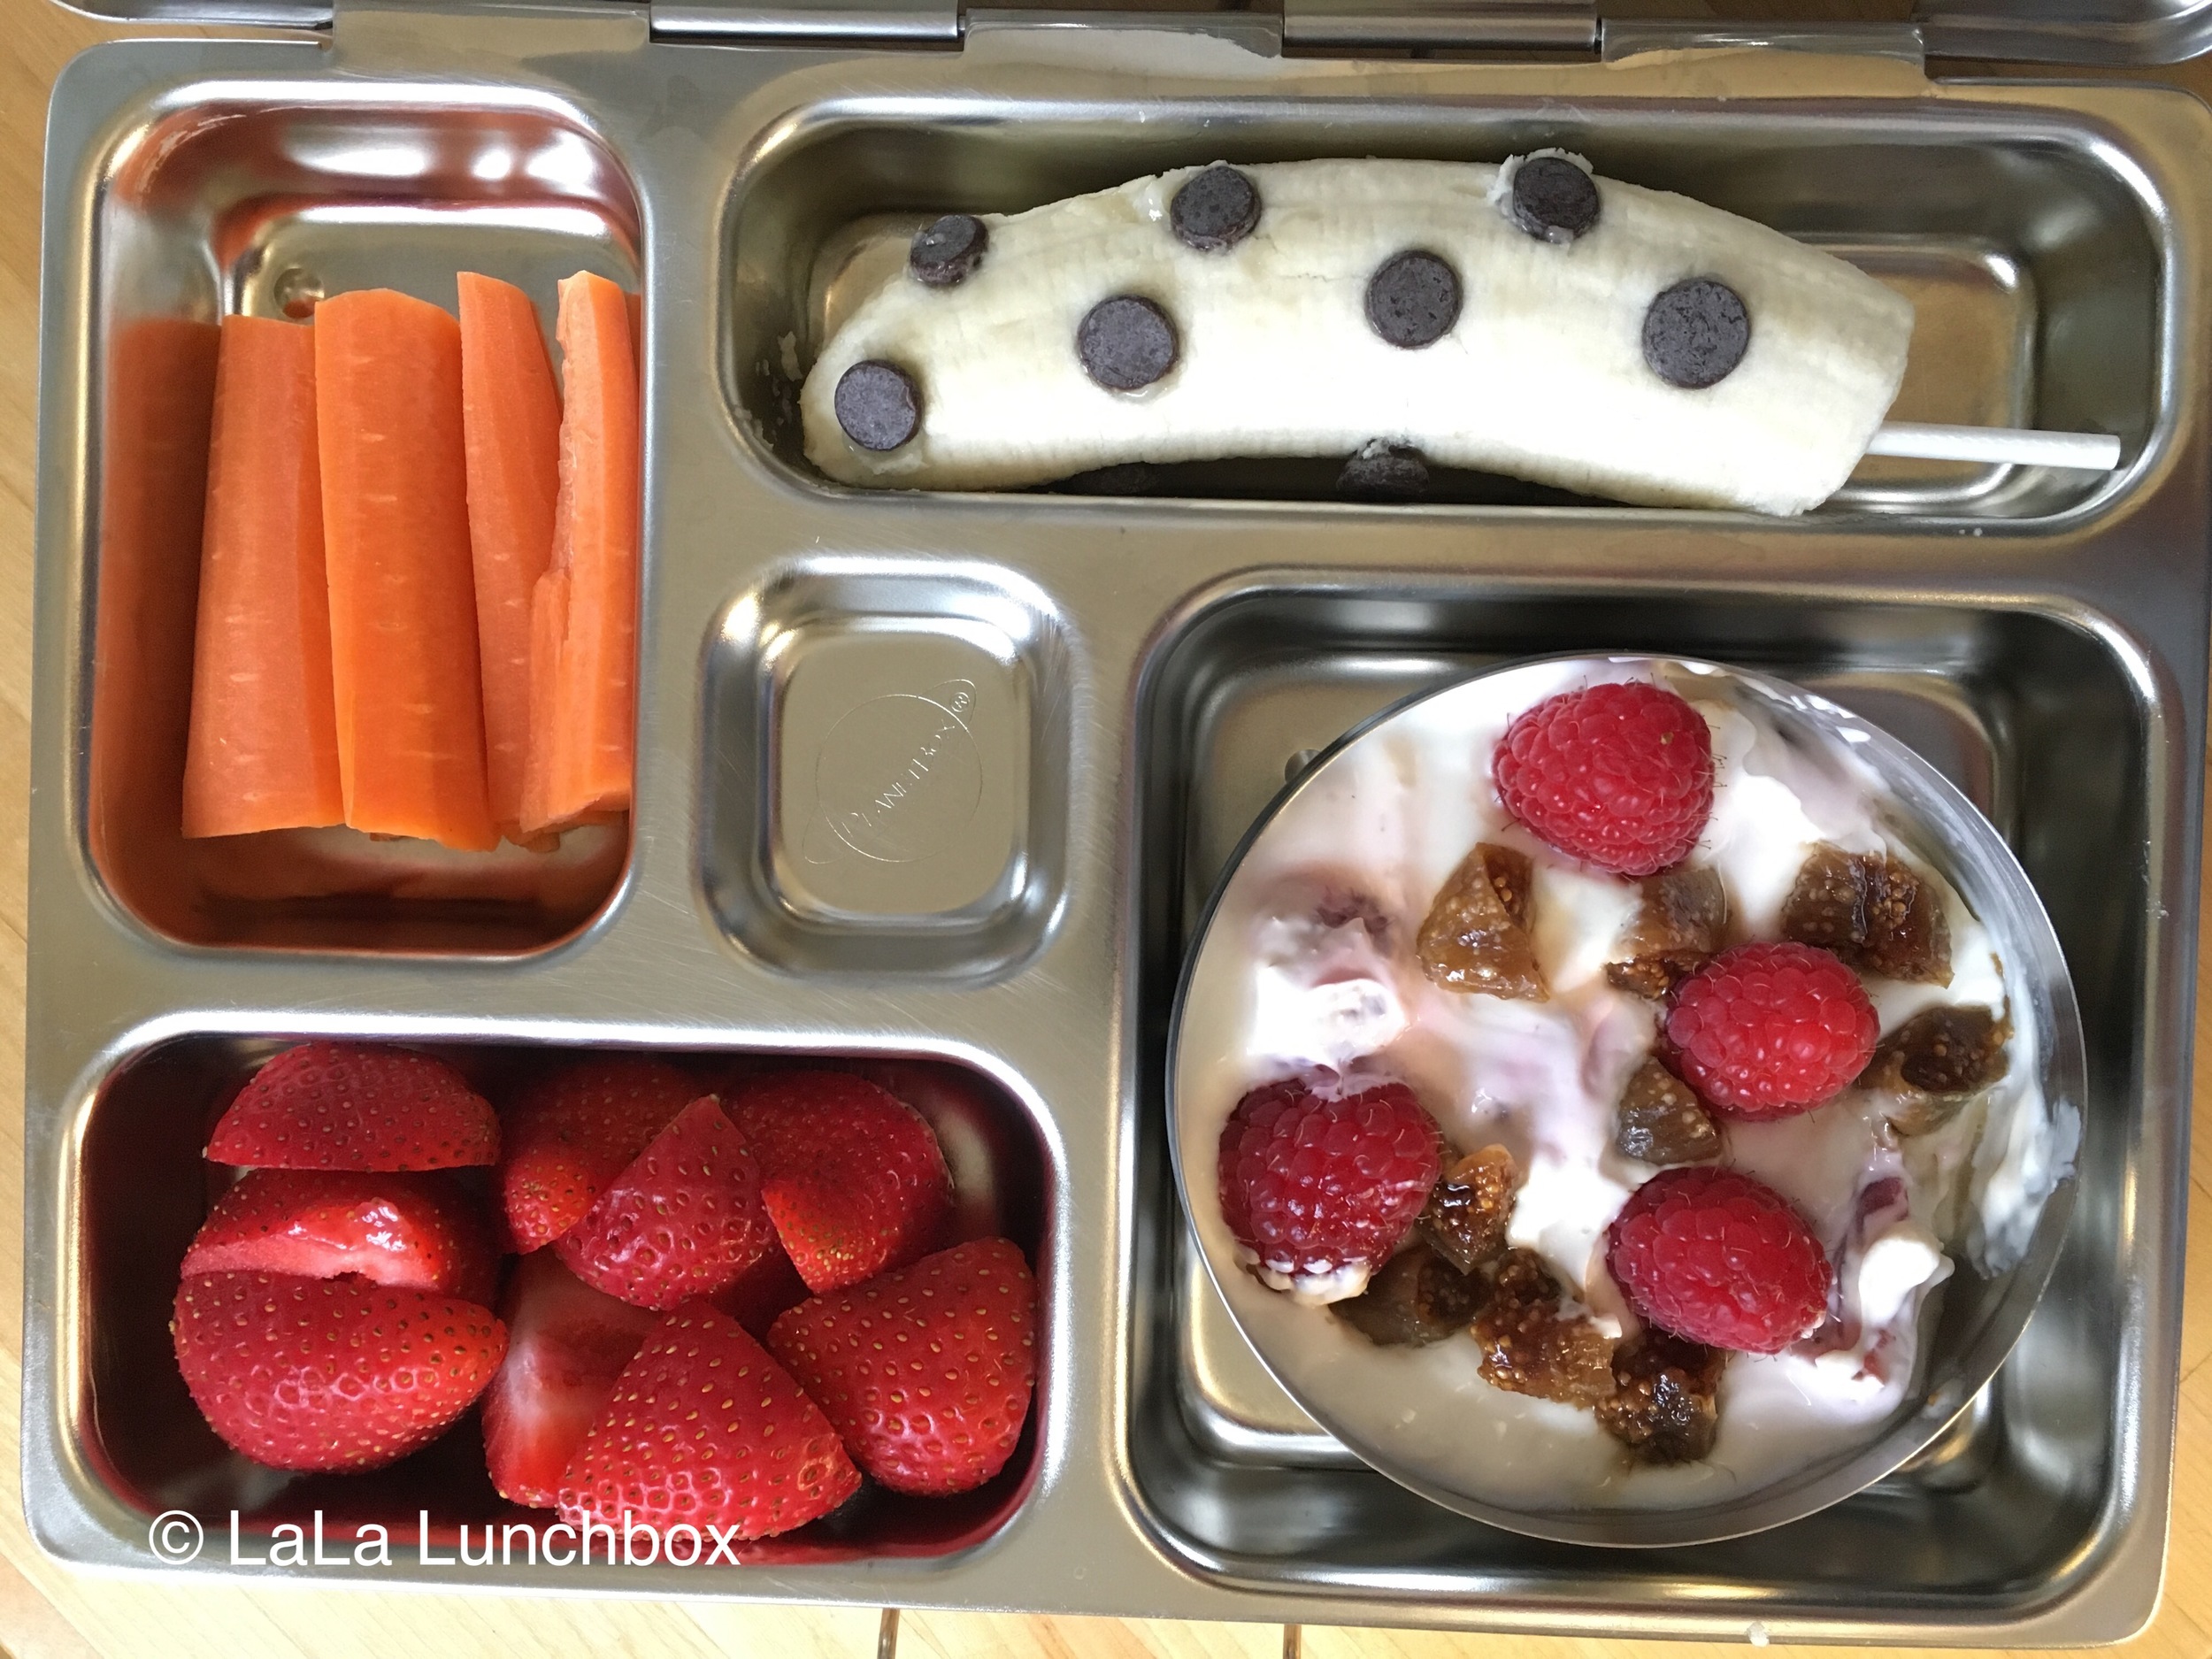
<point x="1312" y="1185"/>
<point x="1715" y="1256"/>
<point x="1619" y="776"/>
<point x="1768" y="1030"/>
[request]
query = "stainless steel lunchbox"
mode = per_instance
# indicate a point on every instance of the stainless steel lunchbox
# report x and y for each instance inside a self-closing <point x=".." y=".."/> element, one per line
<point x="1133" y="674"/>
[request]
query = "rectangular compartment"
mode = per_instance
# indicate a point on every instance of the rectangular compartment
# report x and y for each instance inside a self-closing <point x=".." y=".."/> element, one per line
<point x="2038" y="720"/>
<point x="884" y="782"/>
<point x="261" y="204"/>
<point x="140" y="1191"/>
<point x="2033" y="262"/>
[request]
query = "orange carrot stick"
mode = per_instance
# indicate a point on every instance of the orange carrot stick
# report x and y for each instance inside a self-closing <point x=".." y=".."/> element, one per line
<point x="157" y="397"/>
<point x="586" y="724"/>
<point x="403" y="594"/>
<point x="511" y="411"/>
<point x="263" y="750"/>
<point x="549" y="625"/>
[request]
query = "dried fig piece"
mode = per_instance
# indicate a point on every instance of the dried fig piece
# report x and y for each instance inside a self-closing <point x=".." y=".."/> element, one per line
<point x="1417" y="1299"/>
<point x="1682" y="921"/>
<point x="1935" y="1061"/>
<point x="1874" y="911"/>
<point x="1476" y="935"/>
<point x="1661" y="1120"/>
<point x="1665" y="1404"/>
<point x="1470" y="1208"/>
<point x="1530" y="1346"/>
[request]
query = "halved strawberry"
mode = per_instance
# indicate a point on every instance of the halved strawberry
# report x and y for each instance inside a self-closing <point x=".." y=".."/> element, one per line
<point x="704" y="1427"/>
<point x="329" y="1373"/>
<point x="852" y="1175"/>
<point x="416" y="1231"/>
<point x="763" y="1291"/>
<point x="355" y="1106"/>
<point x="566" y="1343"/>
<point x="574" y="1131"/>
<point x="684" y="1220"/>
<point x="926" y="1372"/>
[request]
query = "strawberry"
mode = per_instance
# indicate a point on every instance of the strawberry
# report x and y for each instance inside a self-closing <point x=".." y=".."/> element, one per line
<point x="419" y="1232"/>
<point x="763" y="1291"/>
<point x="926" y="1372"/>
<point x="566" y="1343"/>
<point x="704" y="1427"/>
<point x="329" y="1373"/>
<point x="574" y="1131"/>
<point x="684" y="1220"/>
<point x="852" y="1175"/>
<point x="355" y="1106"/>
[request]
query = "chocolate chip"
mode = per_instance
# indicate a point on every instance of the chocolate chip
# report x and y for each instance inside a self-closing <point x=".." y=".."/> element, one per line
<point x="948" y="251"/>
<point x="1696" y="333"/>
<point x="1126" y="343"/>
<point x="1216" y="209"/>
<point x="1413" y="299"/>
<point x="877" y="405"/>
<point x="1553" y="199"/>
<point x="1384" y="472"/>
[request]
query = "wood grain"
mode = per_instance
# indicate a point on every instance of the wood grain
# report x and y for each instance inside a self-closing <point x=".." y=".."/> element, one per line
<point x="46" y="1610"/>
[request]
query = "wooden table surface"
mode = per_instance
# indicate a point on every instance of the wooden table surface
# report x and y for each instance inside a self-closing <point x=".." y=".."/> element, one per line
<point x="46" y="1609"/>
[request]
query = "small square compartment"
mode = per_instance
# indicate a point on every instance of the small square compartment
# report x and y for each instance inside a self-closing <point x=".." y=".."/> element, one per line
<point x="2039" y="722"/>
<point x="133" y="1445"/>
<point x="886" y="769"/>
<point x="218" y="204"/>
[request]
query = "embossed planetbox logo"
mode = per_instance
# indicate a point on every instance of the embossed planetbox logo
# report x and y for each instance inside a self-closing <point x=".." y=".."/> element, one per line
<point x="896" y="779"/>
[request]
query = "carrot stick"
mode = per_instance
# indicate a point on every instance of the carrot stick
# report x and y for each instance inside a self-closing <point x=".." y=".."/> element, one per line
<point x="586" y="723"/>
<point x="549" y="625"/>
<point x="403" y="594"/>
<point x="510" y="411"/>
<point x="262" y="749"/>
<point x="156" y="397"/>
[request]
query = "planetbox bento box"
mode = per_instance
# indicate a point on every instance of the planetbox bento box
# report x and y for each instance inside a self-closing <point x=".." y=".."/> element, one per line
<point x="1134" y="676"/>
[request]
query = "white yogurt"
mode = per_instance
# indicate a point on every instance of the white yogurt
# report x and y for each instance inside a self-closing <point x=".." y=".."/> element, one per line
<point x="1276" y="992"/>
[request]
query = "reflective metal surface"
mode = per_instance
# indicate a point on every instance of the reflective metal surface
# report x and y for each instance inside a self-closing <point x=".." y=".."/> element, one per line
<point x="1146" y="656"/>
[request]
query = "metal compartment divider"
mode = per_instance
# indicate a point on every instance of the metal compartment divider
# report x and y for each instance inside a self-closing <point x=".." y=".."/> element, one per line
<point x="1072" y="1031"/>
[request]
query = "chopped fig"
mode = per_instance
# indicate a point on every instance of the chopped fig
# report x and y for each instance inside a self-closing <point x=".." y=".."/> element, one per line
<point x="1531" y="1347"/>
<point x="1874" y="911"/>
<point x="1475" y="935"/>
<point x="1935" y="1061"/>
<point x="1470" y="1208"/>
<point x="1682" y="920"/>
<point x="1661" y="1120"/>
<point x="1665" y="1407"/>
<point x="1417" y="1299"/>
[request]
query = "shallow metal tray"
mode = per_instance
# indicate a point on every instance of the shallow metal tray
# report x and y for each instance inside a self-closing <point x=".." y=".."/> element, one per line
<point x="1137" y="675"/>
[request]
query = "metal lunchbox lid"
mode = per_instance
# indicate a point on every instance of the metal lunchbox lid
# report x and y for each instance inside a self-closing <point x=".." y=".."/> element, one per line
<point x="2085" y="32"/>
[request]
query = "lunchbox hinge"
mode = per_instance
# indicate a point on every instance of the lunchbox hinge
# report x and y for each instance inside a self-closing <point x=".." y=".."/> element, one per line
<point x="1450" y="25"/>
<point x="840" y="22"/>
<point x="1629" y="37"/>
